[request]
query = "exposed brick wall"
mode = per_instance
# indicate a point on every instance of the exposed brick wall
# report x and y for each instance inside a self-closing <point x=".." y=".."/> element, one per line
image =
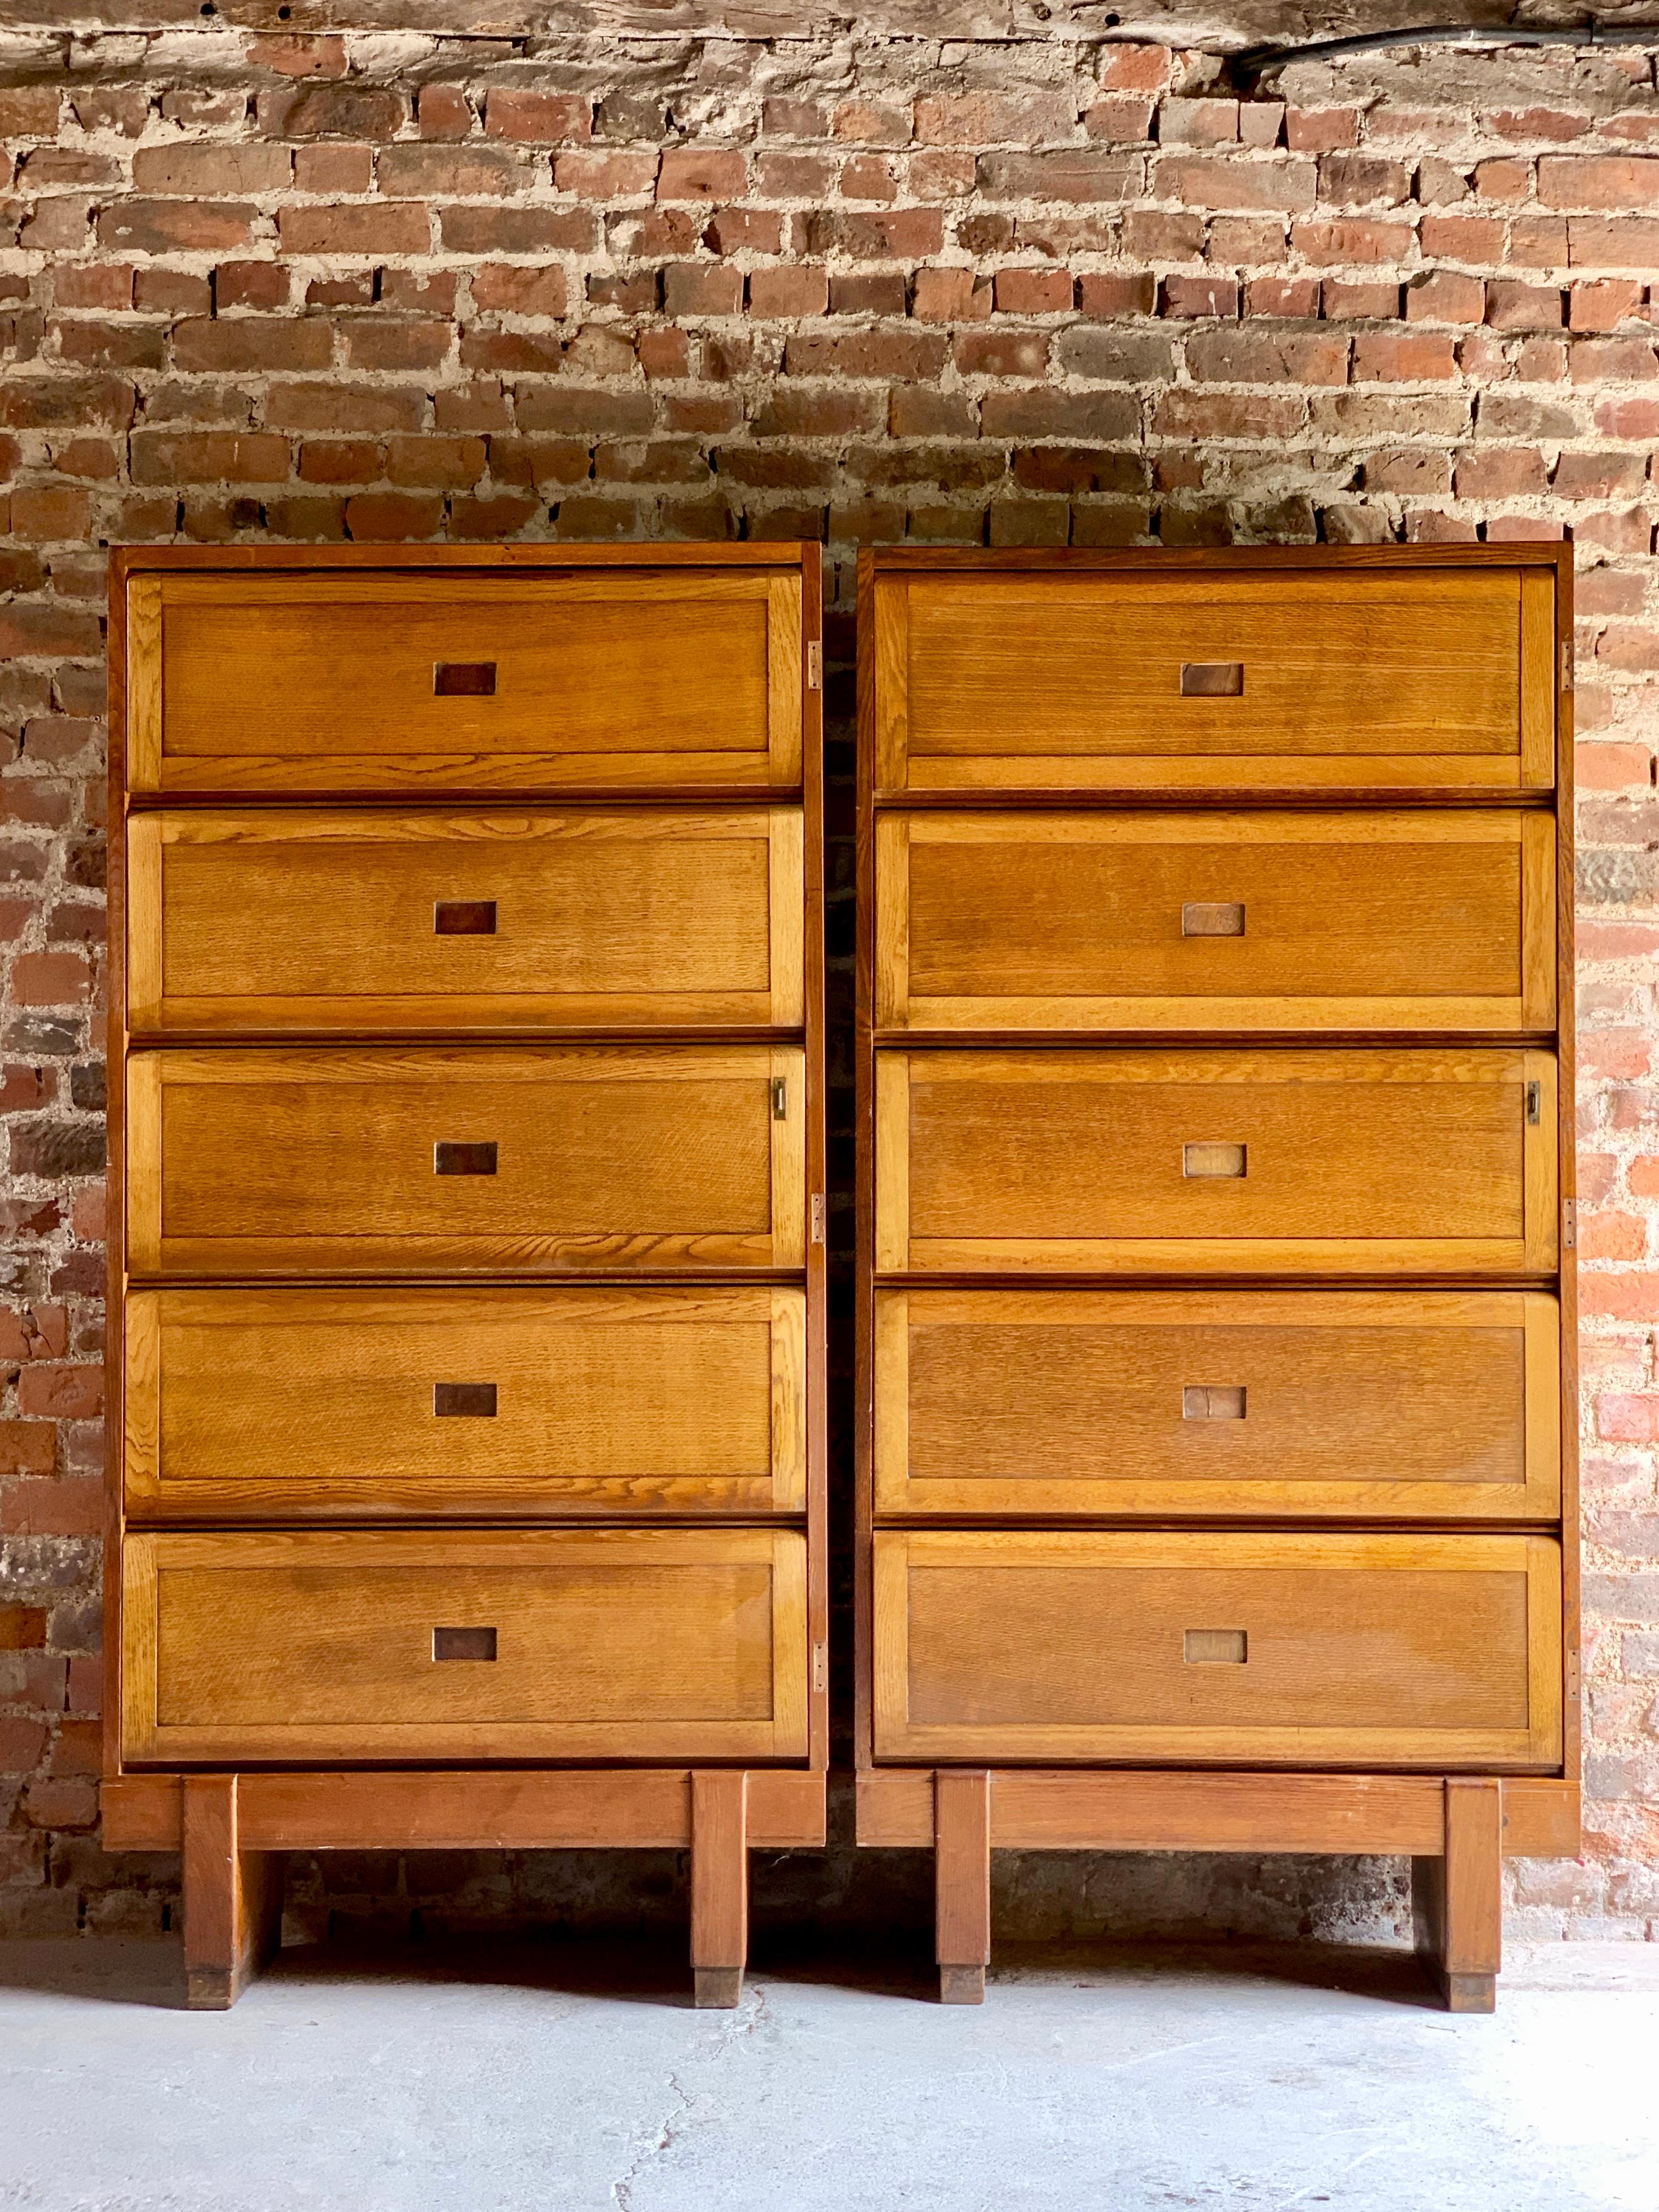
<point x="398" y="287"/>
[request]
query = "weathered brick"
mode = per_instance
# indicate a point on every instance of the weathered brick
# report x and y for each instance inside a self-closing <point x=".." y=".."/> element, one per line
<point x="176" y="226"/>
<point x="541" y="118"/>
<point x="396" y="227"/>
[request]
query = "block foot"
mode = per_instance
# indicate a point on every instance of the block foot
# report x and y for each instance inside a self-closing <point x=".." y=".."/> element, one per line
<point x="961" y="1985"/>
<point x="716" y="1989"/>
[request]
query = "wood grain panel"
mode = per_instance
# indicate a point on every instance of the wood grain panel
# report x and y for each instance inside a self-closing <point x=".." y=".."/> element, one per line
<point x="279" y="1162"/>
<point x="1402" y="1405"/>
<point x="1385" y="1650"/>
<point x="1375" y="678"/>
<point x="255" y="1648"/>
<point x="1354" y="1161"/>
<point x="329" y="920"/>
<point x="296" y="682"/>
<point x="1389" y="921"/>
<point x="307" y="1403"/>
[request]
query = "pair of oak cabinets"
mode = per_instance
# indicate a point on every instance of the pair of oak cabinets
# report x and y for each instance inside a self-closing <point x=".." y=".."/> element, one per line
<point x="1214" y="1391"/>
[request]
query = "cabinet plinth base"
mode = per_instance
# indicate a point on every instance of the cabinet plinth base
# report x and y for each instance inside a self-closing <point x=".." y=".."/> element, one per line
<point x="234" y="1830"/>
<point x="1457" y="1830"/>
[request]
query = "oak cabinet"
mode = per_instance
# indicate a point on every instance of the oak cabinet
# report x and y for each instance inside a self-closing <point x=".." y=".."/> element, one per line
<point x="1216" y="1296"/>
<point x="467" y="1291"/>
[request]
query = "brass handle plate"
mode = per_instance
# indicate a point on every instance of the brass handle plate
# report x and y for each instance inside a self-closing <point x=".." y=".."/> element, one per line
<point x="452" y="1159"/>
<point x="1212" y="918"/>
<point x="466" y="1401"/>
<point x="463" y="918"/>
<point x="463" y="1643"/>
<point x="462" y="679"/>
<point x="1213" y="679"/>
<point x="1214" y="1160"/>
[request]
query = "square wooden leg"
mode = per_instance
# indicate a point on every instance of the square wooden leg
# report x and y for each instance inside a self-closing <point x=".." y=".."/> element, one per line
<point x="1457" y="1900"/>
<point x="233" y="1897"/>
<point x="962" y="1885"/>
<point x="719" y="1888"/>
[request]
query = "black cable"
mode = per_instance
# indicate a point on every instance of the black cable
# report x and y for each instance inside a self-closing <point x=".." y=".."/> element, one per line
<point x="1254" y="60"/>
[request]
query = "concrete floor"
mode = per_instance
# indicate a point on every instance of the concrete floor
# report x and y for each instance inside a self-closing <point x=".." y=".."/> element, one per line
<point x="567" y="2079"/>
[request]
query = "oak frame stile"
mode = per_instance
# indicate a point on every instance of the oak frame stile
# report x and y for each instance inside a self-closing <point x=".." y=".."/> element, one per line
<point x="470" y="1782"/>
<point x="951" y="1759"/>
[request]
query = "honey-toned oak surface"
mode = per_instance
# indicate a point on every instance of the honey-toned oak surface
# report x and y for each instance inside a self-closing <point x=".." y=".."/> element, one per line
<point x="1248" y="921"/>
<point x="294" y="683"/>
<point x="1392" y="1405"/>
<point x="1387" y="1650"/>
<point x="604" y="1156"/>
<point x="617" y="1643"/>
<point x="1424" y="676"/>
<point x="1216" y="1162"/>
<point x="354" y="920"/>
<point x="305" y="1402"/>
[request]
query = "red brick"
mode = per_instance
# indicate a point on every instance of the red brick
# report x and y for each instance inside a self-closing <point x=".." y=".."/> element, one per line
<point x="1209" y="122"/>
<point x="1122" y="120"/>
<point x="1033" y="291"/>
<point x="175" y="226"/>
<point x="27" y="1446"/>
<point x="1624" y="182"/>
<point x="50" y="513"/>
<point x="22" y="1628"/>
<point x="1512" y="306"/>
<point x="1321" y="129"/>
<point x="868" y="177"/>
<point x="1602" y="304"/>
<point x="1201" y="295"/>
<point x="542" y="119"/>
<point x="442" y="113"/>
<point x="23" y="1744"/>
<point x="1071" y="176"/>
<point x="1500" y="472"/>
<point x="602" y="175"/>
<point x="1284" y="183"/>
<point x="454" y="463"/>
<point x="168" y="457"/>
<point x="1368" y="299"/>
<point x="1293" y="296"/>
<point x="453" y="172"/>
<point x="377" y="342"/>
<point x="93" y="285"/>
<point x="299" y="54"/>
<point x="1107" y="297"/>
<point x="251" y="284"/>
<point x="204" y="171"/>
<point x="61" y="1394"/>
<point x="392" y="516"/>
<point x="907" y="235"/>
<point x="1443" y="296"/>
<point x="788" y="292"/>
<point x="1632" y="243"/>
<point x="1135" y="69"/>
<point x="1002" y="352"/>
<point x="392" y="227"/>
<point x="993" y="118"/>
<point x="1348" y="241"/>
<point x="341" y="460"/>
<point x="258" y="342"/>
<point x="1417" y="358"/>
<point x="691" y="287"/>
<point x="49" y="979"/>
<point x="512" y="289"/>
<point x="330" y="172"/>
<point x="701" y="173"/>
<point x="872" y="123"/>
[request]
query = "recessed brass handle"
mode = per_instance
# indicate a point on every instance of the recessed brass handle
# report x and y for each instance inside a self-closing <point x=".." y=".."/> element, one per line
<point x="463" y="918"/>
<point x="1213" y="1401"/>
<point x="1216" y="1647"/>
<point x="1212" y="918"/>
<point x="1214" y="1160"/>
<point x="463" y="1159"/>
<point x="1213" y="679"/>
<point x="464" y="1644"/>
<point x="463" y="680"/>
<point x="466" y="1401"/>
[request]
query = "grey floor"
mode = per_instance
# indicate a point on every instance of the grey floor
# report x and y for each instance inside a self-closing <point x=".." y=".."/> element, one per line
<point x="575" y="2079"/>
